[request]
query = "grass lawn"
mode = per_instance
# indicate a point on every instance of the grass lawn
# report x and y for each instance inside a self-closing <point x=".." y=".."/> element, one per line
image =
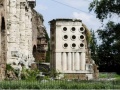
<point x="64" y="84"/>
<point x="109" y="75"/>
<point x="60" y="84"/>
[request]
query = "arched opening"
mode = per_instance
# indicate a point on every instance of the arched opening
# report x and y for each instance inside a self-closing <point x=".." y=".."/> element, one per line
<point x="34" y="51"/>
<point x="3" y="24"/>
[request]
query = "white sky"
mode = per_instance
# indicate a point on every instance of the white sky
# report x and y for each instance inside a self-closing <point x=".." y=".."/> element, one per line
<point x="52" y="10"/>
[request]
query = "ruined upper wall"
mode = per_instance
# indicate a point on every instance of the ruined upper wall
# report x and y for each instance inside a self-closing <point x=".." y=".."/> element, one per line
<point x="39" y="36"/>
<point x="37" y="26"/>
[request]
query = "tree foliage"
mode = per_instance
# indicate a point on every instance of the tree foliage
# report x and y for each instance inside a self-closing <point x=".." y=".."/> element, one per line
<point x="104" y="8"/>
<point x="109" y="52"/>
<point x="94" y="47"/>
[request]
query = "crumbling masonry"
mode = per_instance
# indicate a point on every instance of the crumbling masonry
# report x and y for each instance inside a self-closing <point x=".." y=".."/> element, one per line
<point x="17" y="33"/>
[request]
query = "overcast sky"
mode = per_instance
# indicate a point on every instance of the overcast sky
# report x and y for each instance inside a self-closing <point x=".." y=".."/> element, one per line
<point x="52" y="9"/>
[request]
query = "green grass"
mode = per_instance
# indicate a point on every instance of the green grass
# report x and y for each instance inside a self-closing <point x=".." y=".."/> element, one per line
<point x="59" y="84"/>
<point x="109" y="75"/>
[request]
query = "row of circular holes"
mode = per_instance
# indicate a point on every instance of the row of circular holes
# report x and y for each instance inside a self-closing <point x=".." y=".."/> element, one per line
<point x="73" y="37"/>
<point x="73" y="45"/>
<point x="82" y="29"/>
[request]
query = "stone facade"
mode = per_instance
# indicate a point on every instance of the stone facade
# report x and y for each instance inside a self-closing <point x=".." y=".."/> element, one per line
<point x="69" y="49"/>
<point x="19" y="32"/>
<point x="22" y="33"/>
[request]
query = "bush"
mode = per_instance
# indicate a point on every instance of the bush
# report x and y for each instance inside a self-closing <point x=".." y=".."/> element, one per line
<point x="29" y="74"/>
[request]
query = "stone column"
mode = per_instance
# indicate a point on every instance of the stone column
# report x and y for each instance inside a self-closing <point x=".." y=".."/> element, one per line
<point x="82" y="61"/>
<point x="58" y="62"/>
<point x="77" y="61"/>
<point x="69" y="62"/>
<point x="64" y="62"/>
<point x="73" y="61"/>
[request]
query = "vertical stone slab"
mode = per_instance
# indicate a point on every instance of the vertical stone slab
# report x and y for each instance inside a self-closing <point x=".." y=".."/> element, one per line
<point x="82" y="61"/>
<point x="64" y="61"/>
<point x="73" y="61"/>
<point x="69" y="62"/>
<point x="58" y="62"/>
<point x="77" y="61"/>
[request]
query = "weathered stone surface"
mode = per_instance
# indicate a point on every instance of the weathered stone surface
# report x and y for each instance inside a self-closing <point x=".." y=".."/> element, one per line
<point x="18" y="33"/>
<point x="76" y="76"/>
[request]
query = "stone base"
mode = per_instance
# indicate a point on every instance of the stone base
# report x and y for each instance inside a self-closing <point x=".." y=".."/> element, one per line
<point x="79" y="76"/>
<point x="75" y="76"/>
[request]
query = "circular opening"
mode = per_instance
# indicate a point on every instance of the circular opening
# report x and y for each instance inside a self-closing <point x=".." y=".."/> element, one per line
<point x="65" y="45"/>
<point x="73" y="37"/>
<point x="64" y="29"/>
<point x="73" y="29"/>
<point x="82" y="29"/>
<point x="82" y="37"/>
<point x="73" y="45"/>
<point x="65" y="37"/>
<point x="81" y="45"/>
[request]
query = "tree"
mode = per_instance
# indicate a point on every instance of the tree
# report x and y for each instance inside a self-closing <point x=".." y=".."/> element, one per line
<point x="109" y="52"/>
<point x="104" y="8"/>
<point x="94" y="47"/>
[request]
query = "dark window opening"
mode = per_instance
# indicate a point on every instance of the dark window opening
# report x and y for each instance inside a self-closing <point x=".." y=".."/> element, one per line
<point x="73" y="37"/>
<point x="65" y="45"/>
<point x="34" y="51"/>
<point x="73" y="45"/>
<point x="81" y="29"/>
<point x="3" y="24"/>
<point x="81" y="37"/>
<point x="65" y="37"/>
<point x="81" y="45"/>
<point x="64" y="29"/>
<point x="73" y="28"/>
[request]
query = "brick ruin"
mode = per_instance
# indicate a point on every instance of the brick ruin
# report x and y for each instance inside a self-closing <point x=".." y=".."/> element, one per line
<point x="40" y="42"/>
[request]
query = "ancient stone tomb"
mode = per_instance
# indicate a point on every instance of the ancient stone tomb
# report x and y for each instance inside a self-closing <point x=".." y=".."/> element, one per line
<point x="69" y="49"/>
